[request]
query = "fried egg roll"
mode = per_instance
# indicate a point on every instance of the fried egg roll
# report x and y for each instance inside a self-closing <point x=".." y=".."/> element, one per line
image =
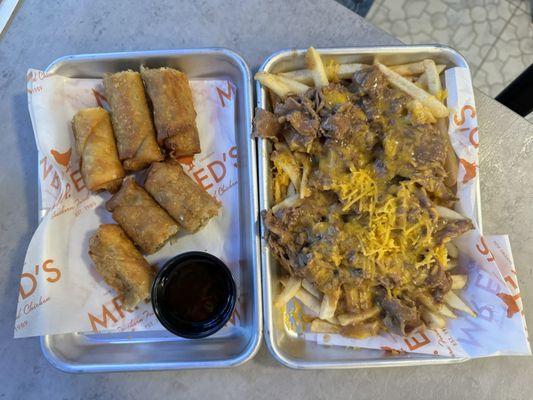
<point x="176" y="192"/>
<point x="143" y="220"/>
<point x="132" y="123"/>
<point x="121" y="265"/>
<point x="174" y="114"/>
<point x="99" y="164"/>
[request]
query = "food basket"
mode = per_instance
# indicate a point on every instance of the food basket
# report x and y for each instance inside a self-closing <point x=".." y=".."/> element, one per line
<point x="157" y="350"/>
<point x="286" y="345"/>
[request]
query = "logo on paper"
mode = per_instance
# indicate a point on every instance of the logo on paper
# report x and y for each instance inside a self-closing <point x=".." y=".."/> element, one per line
<point x="227" y="94"/>
<point x="470" y="170"/>
<point x="62" y="158"/>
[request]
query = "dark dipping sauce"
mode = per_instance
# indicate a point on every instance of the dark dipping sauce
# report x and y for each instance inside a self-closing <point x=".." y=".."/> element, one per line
<point x="195" y="291"/>
<point x="194" y="295"/>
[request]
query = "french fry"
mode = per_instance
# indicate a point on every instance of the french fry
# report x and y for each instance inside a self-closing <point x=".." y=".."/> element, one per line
<point x="308" y="300"/>
<point x="455" y="301"/>
<point x="459" y="281"/>
<point x="451" y="264"/>
<point x="452" y="250"/>
<point x="329" y="304"/>
<point x="408" y="69"/>
<point x="306" y="169"/>
<point x="361" y="331"/>
<point x="422" y="80"/>
<point x="310" y="288"/>
<point x="284" y="160"/>
<point x="291" y="190"/>
<point x="419" y="113"/>
<point x="415" y="68"/>
<point x="333" y="73"/>
<point x="428" y="302"/>
<point x="274" y="99"/>
<point x="432" y="75"/>
<point x="448" y="213"/>
<point x="320" y="326"/>
<point x="446" y="312"/>
<point x="356" y="318"/>
<point x="343" y="71"/>
<point x="451" y="164"/>
<point x="314" y="63"/>
<point x="281" y="87"/>
<point x="438" y="109"/>
<point x="433" y="321"/>
<point x="295" y="85"/>
<point x="288" y="202"/>
<point x="280" y="183"/>
<point x="289" y="291"/>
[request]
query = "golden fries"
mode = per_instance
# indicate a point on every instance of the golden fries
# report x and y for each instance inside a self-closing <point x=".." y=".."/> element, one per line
<point x="445" y="311"/>
<point x="432" y="76"/>
<point x="308" y="300"/>
<point x="452" y="263"/>
<point x="281" y="86"/>
<point x="455" y="301"/>
<point x="284" y="160"/>
<point x="447" y="213"/>
<point x="419" y="113"/>
<point x="333" y="72"/>
<point x="415" y="68"/>
<point x="320" y="326"/>
<point x="422" y="80"/>
<point x="315" y="65"/>
<point x="433" y="321"/>
<point x="452" y="250"/>
<point x="287" y="202"/>
<point x="438" y="109"/>
<point x="329" y="304"/>
<point x="306" y="169"/>
<point x="459" y="281"/>
<point x="291" y="287"/>
<point x="310" y="288"/>
<point x="356" y="318"/>
<point x="361" y="331"/>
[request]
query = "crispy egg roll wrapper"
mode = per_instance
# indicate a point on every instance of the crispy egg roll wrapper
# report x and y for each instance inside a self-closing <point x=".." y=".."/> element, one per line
<point x="143" y="220"/>
<point x="174" y="114"/>
<point x="190" y="205"/>
<point x="121" y="265"/>
<point x="132" y="122"/>
<point x="95" y="144"/>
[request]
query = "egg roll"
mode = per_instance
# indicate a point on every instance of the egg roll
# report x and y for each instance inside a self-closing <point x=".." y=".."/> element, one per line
<point x="143" y="220"/>
<point x="99" y="164"/>
<point x="185" y="201"/>
<point x="121" y="265"/>
<point x="174" y="114"/>
<point x="132" y="122"/>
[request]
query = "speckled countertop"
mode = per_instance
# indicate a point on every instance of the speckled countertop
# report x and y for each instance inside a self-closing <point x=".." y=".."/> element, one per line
<point x="44" y="30"/>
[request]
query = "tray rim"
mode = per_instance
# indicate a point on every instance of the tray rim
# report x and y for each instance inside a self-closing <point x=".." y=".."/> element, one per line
<point x="265" y="263"/>
<point x="254" y="345"/>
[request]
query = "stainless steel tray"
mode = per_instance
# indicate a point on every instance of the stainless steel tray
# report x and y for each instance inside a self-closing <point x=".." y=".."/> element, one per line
<point x="159" y="350"/>
<point x="284" y="344"/>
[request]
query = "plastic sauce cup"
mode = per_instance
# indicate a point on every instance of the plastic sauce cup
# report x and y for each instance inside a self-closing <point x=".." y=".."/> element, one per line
<point x="194" y="295"/>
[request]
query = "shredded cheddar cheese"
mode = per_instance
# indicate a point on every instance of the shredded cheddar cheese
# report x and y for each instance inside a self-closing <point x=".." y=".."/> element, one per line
<point x="399" y="231"/>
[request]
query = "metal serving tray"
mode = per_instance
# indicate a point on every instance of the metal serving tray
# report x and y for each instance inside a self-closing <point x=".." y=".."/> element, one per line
<point x="284" y="344"/>
<point x="160" y="350"/>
